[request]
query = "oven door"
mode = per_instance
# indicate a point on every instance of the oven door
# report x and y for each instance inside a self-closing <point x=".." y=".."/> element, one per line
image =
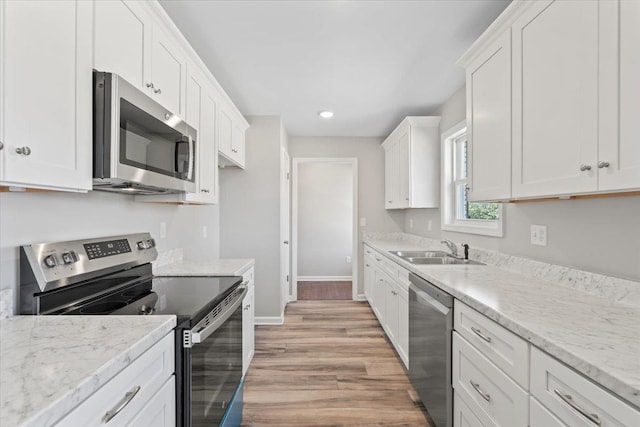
<point x="215" y="370"/>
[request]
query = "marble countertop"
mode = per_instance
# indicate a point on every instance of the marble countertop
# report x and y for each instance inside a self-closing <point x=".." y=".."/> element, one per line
<point x="216" y="267"/>
<point x="50" y="364"/>
<point x="597" y="337"/>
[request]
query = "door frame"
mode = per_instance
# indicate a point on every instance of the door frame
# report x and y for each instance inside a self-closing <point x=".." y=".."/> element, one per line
<point x="353" y="161"/>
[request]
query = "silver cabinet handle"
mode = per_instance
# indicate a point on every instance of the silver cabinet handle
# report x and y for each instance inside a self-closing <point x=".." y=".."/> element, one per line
<point x="286" y="242"/>
<point x="108" y="416"/>
<point x="389" y="201"/>
<point x="407" y="199"/>
<point x="204" y="190"/>
<point x="234" y="150"/>
<point x="479" y="333"/>
<point x="367" y="265"/>
<point x="25" y="151"/>
<point x="476" y="386"/>
<point x="585" y="168"/>
<point x="568" y="399"/>
<point x="603" y="165"/>
<point x="1" y="145"/>
<point x="149" y="85"/>
<point x="158" y="91"/>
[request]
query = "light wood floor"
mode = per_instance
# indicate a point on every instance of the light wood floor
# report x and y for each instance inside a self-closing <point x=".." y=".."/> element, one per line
<point x="338" y="290"/>
<point x="328" y="365"/>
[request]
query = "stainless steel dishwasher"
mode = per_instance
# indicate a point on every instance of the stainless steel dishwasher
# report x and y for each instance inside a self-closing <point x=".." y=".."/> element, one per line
<point x="430" y="326"/>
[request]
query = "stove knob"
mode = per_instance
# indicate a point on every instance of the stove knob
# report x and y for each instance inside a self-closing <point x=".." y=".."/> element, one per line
<point x="50" y="261"/>
<point x="69" y="257"/>
<point x="142" y="244"/>
<point x="151" y="243"/>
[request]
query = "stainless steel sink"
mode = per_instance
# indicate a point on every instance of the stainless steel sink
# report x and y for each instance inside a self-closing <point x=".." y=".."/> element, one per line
<point x="419" y="254"/>
<point x="446" y="260"/>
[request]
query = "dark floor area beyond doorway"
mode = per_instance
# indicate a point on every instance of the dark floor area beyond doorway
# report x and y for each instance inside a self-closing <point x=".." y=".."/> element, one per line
<point x="313" y="291"/>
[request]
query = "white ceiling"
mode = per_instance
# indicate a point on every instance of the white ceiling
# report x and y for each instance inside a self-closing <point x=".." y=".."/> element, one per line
<point x="371" y="62"/>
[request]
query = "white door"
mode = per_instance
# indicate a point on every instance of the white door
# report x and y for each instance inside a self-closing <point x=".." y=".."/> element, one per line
<point x="619" y="149"/>
<point x="555" y="100"/>
<point x="285" y="227"/>
<point x="489" y="122"/>
<point x="167" y="72"/>
<point x="122" y="41"/>
<point x="46" y="93"/>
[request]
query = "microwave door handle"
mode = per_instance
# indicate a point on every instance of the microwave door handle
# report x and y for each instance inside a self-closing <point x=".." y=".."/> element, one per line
<point x="191" y="159"/>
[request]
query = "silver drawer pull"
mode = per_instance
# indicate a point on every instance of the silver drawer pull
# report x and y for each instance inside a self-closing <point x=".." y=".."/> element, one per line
<point x="476" y="386"/>
<point x="479" y="333"/>
<point x="568" y="399"/>
<point x="108" y="416"/>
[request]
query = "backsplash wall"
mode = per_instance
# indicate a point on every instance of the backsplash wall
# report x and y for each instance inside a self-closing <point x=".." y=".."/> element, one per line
<point x="48" y="217"/>
<point x="597" y="235"/>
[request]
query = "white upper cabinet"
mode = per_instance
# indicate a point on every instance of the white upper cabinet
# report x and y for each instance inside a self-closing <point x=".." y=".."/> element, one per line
<point x="489" y="121"/>
<point x="231" y="136"/>
<point x="619" y="145"/>
<point x="122" y="40"/>
<point x="168" y="71"/>
<point x="555" y="83"/>
<point x="555" y="98"/>
<point x="45" y="90"/>
<point x="412" y="164"/>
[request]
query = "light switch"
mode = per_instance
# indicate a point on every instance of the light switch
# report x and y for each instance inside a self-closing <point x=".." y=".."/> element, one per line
<point x="363" y="222"/>
<point x="163" y="230"/>
<point x="538" y="235"/>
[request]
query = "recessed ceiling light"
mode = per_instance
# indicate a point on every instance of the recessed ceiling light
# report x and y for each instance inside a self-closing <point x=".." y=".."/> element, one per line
<point x="326" y="114"/>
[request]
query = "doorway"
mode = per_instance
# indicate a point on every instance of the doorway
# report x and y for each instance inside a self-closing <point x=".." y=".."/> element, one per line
<point x="324" y="229"/>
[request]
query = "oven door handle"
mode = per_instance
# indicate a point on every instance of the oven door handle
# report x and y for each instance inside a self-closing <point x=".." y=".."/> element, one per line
<point x="203" y="334"/>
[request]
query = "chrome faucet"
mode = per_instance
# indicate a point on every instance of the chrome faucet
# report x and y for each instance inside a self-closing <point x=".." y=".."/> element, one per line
<point x="452" y="247"/>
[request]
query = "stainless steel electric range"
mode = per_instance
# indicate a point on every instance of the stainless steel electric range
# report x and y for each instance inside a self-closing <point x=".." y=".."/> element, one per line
<point x="113" y="276"/>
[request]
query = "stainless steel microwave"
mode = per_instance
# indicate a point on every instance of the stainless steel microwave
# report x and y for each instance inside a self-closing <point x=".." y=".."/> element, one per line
<point x="138" y="146"/>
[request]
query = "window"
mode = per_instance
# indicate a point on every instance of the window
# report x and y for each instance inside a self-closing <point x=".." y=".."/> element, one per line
<point x="458" y="213"/>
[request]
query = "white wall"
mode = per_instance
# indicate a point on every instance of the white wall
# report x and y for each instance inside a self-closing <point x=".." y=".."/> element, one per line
<point x="370" y="157"/>
<point x="325" y="218"/>
<point x="250" y="211"/>
<point x="49" y="217"/>
<point x="598" y="235"/>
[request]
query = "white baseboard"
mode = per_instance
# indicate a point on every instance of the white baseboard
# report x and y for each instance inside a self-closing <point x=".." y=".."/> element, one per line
<point x="361" y="297"/>
<point x="324" y="278"/>
<point x="269" y="320"/>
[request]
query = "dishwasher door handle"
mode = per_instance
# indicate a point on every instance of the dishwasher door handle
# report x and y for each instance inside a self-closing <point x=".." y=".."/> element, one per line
<point x="428" y="299"/>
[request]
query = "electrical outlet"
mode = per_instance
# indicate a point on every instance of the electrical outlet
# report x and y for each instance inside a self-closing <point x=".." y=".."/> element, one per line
<point x="348" y="260"/>
<point x="204" y="231"/>
<point x="363" y="222"/>
<point x="163" y="230"/>
<point x="410" y="223"/>
<point x="429" y="226"/>
<point x="538" y="235"/>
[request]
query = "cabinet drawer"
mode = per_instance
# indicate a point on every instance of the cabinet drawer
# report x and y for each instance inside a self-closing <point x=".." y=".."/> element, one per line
<point x="505" y="349"/>
<point x="160" y="411"/>
<point x="463" y="416"/>
<point x="574" y="399"/>
<point x="149" y="372"/>
<point x="541" y="417"/>
<point x="486" y="388"/>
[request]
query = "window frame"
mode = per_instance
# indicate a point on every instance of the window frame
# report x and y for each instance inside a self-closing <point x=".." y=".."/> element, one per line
<point x="449" y="210"/>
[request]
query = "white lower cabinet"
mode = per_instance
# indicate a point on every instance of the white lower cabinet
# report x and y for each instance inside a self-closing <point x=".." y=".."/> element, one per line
<point x="146" y="386"/>
<point x="575" y="400"/>
<point x="248" y="321"/>
<point x="463" y="416"/>
<point x="391" y="310"/>
<point x="539" y="416"/>
<point x="489" y="392"/>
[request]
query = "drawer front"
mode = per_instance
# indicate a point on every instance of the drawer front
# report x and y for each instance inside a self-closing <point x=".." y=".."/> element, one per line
<point x="160" y="411"/>
<point x="541" y="417"/>
<point x="574" y="399"/>
<point x="149" y="371"/>
<point x="248" y="275"/>
<point x="484" y="386"/>
<point x="505" y="349"/>
<point x="463" y="415"/>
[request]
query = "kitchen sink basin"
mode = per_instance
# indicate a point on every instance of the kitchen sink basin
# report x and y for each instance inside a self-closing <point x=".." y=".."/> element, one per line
<point x="419" y="254"/>
<point x="446" y="260"/>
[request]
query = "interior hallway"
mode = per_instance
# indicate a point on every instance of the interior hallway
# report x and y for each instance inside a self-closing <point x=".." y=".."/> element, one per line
<point x="329" y="364"/>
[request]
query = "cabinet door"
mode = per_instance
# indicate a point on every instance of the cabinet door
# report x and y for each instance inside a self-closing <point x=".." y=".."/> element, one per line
<point x="619" y="145"/>
<point x="368" y="270"/>
<point x="160" y="411"/>
<point x="388" y="178"/>
<point x="403" y="326"/>
<point x="167" y="71"/>
<point x="46" y="94"/>
<point x="208" y="173"/>
<point x="237" y="143"/>
<point x="555" y="98"/>
<point x="489" y="122"/>
<point x="247" y="329"/>
<point x="225" y="132"/>
<point x="122" y="41"/>
<point x="404" y="169"/>
<point x="391" y="311"/>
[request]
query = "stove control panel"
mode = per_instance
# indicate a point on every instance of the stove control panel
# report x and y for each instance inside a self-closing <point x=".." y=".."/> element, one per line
<point x="146" y="244"/>
<point x="107" y="248"/>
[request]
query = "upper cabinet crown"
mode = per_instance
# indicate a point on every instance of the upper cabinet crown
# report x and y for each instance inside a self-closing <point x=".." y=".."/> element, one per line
<point x="551" y="91"/>
<point x="412" y="164"/>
